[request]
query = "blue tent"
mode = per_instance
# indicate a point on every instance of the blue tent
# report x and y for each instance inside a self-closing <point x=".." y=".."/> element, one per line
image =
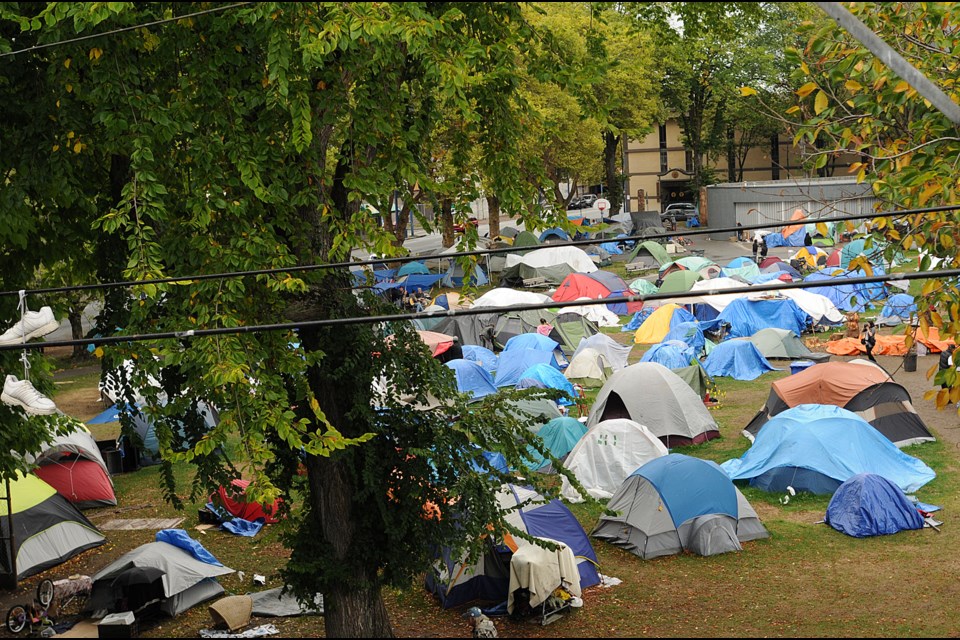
<point x="482" y="356"/>
<point x="747" y="270"/>
<point x="551" y="378"/>
<point x="416" y="281"/>
<point x="672" y="354"/>
<point x="531" y="341"/>
<point x="900" y="305"/>
<point x="737" y="359"/>
<point x="816" y="448"/>
<point x="559" y="435"/>
<point x="870" y="505"/>
<point x="472" y="379"/>
<point x="638" y="318"/>
<point x="513" y="363"/>
<point x="740" y="262"/>
<point x="412" y="268"/>
<point x="781" y="267"/>
<point x="554" y="233"/>
<point x="746" y="317"/>
<point x="455" y="276"/>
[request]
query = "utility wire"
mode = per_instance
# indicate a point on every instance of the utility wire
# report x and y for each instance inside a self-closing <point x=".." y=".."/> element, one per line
<point x="122" y="29"/>
<point x="306" y="324"/>
<point x="477" y="252"/>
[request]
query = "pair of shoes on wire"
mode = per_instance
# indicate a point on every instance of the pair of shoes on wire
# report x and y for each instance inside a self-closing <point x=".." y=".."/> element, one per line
<point x="21" y="393"/>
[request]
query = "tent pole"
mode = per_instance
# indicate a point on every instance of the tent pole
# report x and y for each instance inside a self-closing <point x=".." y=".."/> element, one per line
<point x="9" y="580"/>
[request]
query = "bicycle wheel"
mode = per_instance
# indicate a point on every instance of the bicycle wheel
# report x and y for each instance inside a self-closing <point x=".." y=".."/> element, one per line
<point x="17" y="618"/>
<point x="45" y="593"/>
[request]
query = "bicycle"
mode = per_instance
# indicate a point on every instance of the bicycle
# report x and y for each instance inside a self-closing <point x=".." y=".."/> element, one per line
<point x="61" y="596"/>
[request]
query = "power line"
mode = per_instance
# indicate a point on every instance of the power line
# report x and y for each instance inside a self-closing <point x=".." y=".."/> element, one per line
<point x="477" y="252"/>
<point x="332" y="322"/>
<point x="123" y="29"/>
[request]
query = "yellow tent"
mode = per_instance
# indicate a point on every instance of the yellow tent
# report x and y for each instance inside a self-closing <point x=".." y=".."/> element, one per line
<point x="811" y="255"/>
<point x="655" y="328"/>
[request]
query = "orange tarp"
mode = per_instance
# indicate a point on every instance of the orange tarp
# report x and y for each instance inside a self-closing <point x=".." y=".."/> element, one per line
<point x="793" y="228"/>
<point x="895" y="345"/>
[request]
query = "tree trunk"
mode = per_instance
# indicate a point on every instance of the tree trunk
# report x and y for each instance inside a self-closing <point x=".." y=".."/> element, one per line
<point x="493" y="205"/>
<point x="731" y="155"/>
<point x="446" y="221"/>
<point x="76" y="329"/>
<point x="614" y="194"/>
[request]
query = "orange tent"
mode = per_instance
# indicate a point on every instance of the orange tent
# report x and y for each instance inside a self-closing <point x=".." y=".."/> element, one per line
<point x="793" y="228"/>
<point x="829" y="383"/>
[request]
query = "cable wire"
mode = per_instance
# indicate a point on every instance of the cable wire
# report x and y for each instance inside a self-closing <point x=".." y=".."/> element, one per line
<point x="122" y="29"/>
<point x="306" y="324"/>
<point x="477" y="252"/>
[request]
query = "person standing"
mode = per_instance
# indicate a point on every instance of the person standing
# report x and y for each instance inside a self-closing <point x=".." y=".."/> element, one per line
<point x="483" y="626"/>
<point x="869" y="339"/>
<point x="544" y="328"/>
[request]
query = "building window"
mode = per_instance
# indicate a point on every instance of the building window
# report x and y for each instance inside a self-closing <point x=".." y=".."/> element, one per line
<point x="663" y="149"/>
<point x="663" y="162"/>
<point x="688" y="157"/>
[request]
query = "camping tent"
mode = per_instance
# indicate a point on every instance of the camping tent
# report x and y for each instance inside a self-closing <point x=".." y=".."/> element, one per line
<point x="899" y="309"/>
<point x="514" y="362"/>
<point x="676" y="503"/>
<point x="616" y="354"/>
<point x="551" y="263"/>
<point x="870" y="505"/>
<point x="549" y="378"/>
<point x="187" y="581"/>
<point x="673" y="354"/>
<point x="857" y="386"/>
<point x="597" y="314"/>
<point x="651" y="394"/>
<point x="588" y="368"/>
<point x="482" y="356"/>
<point x="815" y="448"/>
<point x="655" y="328"/>
<point x="455" y="582"/>
<point x="599" y="284"/>
<point x="650" y="252"/>
<point x="570" y="328"/>
<point x="472" y="378"/>
<point x="506" y="297"/>
<point x="780" y="343"/>
<point x="47" y="529"/>
<point x="679" y="281"/>
<point x="737" y="359"/>
<point x="560" y="436"/>
<point x="455" y="275"/>
<point x="411" y="268"/>
<point x="72" y="465"/>
<point x="607" y="454"/>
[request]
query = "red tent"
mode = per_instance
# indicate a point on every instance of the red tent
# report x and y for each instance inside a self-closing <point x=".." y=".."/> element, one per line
<point x="769" y="261"/>
<point x="235" y="502"/>
<point x="579" y="285"/>
<point x="83" y="482"/>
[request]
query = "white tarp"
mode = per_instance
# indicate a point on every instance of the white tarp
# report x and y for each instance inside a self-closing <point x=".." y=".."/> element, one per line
<point x="599" y="314"/>
<point x="574" y="257"/>
<point x="505" y="297"/>
<point x="607" y="454"/>
<point x="540" y="571"/>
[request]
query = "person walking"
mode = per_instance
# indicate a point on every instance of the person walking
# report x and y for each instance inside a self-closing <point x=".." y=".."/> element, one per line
<point x="869" y="339"/>
<point x="483" y="626"/>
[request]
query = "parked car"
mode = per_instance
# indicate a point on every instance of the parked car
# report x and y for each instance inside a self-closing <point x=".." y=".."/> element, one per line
<point x="588" y="200"/>
<point x="679" y="212"/>
<point x="460" y="227"/>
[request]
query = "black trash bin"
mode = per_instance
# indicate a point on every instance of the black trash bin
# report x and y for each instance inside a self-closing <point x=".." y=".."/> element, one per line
<point x="114" y="460"/>
<point x="910" y="362"/>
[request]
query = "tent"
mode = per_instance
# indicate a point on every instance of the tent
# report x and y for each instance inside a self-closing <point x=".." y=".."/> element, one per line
<point x="616" y="354"/>
<point x="413" y="268"/>
<point x="672" y="354"/>
<point x="812" y="256"/>
<point x="72" y="464"/>
<point x="899" y="309"/>
<point x="234" y="501"/>
<point x="455" y="275"/>
<point x="651" y="252"/>
<point x="643" y="286"/>
<point x="506" y="297"/>
<point x="679" y="281"/>
<point x="594" y="286"/>
<point x="747" y="316"/>
<point x="454" y="582"/>
<point x="690" y="333"/>
<point x="588" y="368"/>
<point x="186" y="580"/>
<point x="676" y="503"/>
<point x="653" y="395"/>
<point x="781" y="267"/>
<point x="870" y="505"/>
<point x="437" y="343"/>
<point x="646" y="222"/>
<point x="780" y="343"/>
<point x="560" y="436"/>
<point x="691" y="263"/>
<point x="860" y="387"/>
<point x="737" y="359"/>
<point x="655" y="328"/>
<point x="815" y="448"/>
<point x="451" y="300"/>
<point x="597" y="314"/>
<point x="570" y="328"/>
<point x="550" y="378"/>
<point x="856" y="248"/>
<point x="525" y="239"/>
<point x="472" y="378"/>
<point x="47" y="529"/>
<point x="473" y="329"/>
<point x="514" y="362"/>
<point x="609" y="452"/>
<point x="512" y="323"/>
<point x="847" y="297"/>
<point x="482" y="356"/>
<point x="551" y="263"/>
<point x="554" y="235"/>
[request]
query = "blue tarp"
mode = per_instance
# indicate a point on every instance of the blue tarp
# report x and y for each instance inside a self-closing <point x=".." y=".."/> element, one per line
<point x="497" y="462"/>
<point x="737" y="359"/>
<point x="472" y="379"/>
<point x="482" y="356"/>
<point x="746" y="317"/>
<point x="870" y="505"/>
<point x="559" y="435"/>
<point x="767" y="277"/>
<point x="180" y="538"/>
<point x="551" y="378"/>
<point x="612" y="248"/>
<point x="672" y="354"/>
<point x="690" y="332"/>
<point x="241" y="527"/>
<point x="638" y="319"/>
<point x="413" y="282"/>
<point x="816" y="448"/>
<point x="690" y="487"/>
<point x="795" y="239"/>
<point x="847" y="297"/>
<point x="514" y="362"/>
<point x="900" y="305"/>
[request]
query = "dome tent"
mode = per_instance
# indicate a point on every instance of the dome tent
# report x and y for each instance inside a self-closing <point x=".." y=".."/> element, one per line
<point x="560" y="436"/>
<point x="678" y="503"/>
<point x="870" y="505"/>
<point x="72" y="464"/>
<point x="653" y="395"/>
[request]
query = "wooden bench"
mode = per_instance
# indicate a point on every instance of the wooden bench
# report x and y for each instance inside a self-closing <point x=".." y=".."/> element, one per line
<point x="637" y="266"/>
<point x="539" y="281"/>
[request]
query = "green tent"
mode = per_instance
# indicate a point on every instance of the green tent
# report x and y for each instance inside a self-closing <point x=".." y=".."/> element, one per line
<point x="650" y="249"/>
<point x="679" y="281"/>
<point x="47" y="529"/>
<point x="779" y="343"/>
<point x="525" y="239"/>
<point x="643" y="286"/>
<point x="570" y="328"/>
<point x="695" y="376"/>
<point x="693" y="263"/>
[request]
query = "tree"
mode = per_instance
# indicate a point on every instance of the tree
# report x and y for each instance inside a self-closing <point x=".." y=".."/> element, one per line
<point x="848" y="101"/>
<point x="244" y="138"/>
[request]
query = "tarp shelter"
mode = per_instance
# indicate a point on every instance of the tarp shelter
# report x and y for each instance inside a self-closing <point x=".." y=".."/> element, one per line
<point x="598" y="314"/>
<point x="679" y="281"/>
<point x="609" y="452"/>
<point x="596" y="286"/>
<point x="415" y="281"/>
<point x="898" y="309"/>
<point x="560" y="436"/>
<point x="845" y="296"/>
<point x="811" y="255"/>
<point x="644" y="222"/>
<point x="650" y="252"/>
<point x="617" y="354"/>
<point x="551" y="263"/>
<point x="741" y="267"/>
<point x="454" y="582"/>
<point x="737" y="359"/>
<point x="781" y="267"/>
<point x="47" y="529"/>
<point x="780" y="343"/>
<point x="72" y="464"/>
<point x="690" y="333"/>
<point x="747" y="316"/>
<point x="672" y="354"/>
<point x="234" y="501"/>
<point x="655" y="328"/>
<point x="677" y="503"/>
<point x="187" y="581"/>
<point x="473" y="329"/>
<point x="870" y="505"/>
<point x="506" y="297"/>
<point x="860" y="387"/>
<point x="643" y="286"/>
<point x="472" y="379"/>
<point x="653" y="395"/>
<point x="482" y="356"/>
<point x="455" y="276"/>
<point x="815" y="448"/>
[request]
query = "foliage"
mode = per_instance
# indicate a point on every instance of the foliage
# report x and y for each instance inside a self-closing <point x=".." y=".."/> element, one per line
<point x="849" y="101"/>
